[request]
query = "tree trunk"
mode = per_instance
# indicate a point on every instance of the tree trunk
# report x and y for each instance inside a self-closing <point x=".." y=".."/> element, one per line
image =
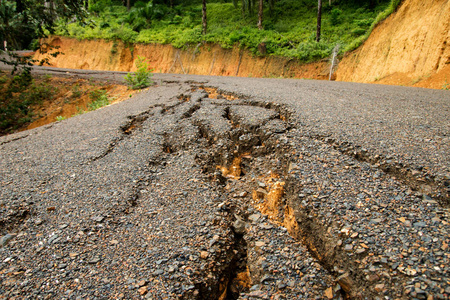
<point x="260" y="14"/>
<point x="204" y="20"/>
<point x="128" y="5"/>
<point x="319" y="20"/>
<point x="271" y="6"/>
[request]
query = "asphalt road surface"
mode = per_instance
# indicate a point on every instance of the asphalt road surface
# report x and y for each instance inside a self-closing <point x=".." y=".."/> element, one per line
<point x="232" y="188"/>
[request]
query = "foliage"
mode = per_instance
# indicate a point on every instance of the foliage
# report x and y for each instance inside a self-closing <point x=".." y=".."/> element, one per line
<point x="24" y="22"/>
<point x="142" y="77"/>
<point x="17" y="95"/>
<point x="99" y="99"/>
<point x="335" y="16"/>
<point x="21" y="22"/>
<point x="60" y="118"/>
<point x="76" y="92"/>
<point x="289" y="25"/>
<point x="393" y="4"/>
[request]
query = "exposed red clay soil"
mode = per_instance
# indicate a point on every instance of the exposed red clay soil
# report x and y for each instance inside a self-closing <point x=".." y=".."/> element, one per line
<point x="204" y="59"/>
<point x="409" y="48"/>
<point x="73" y="98"/>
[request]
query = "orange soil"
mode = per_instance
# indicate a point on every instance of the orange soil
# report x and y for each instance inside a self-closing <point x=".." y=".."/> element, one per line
<point x="408" y="48"/>
<point x="73" y="98"/>
<point x="205" y="59"/>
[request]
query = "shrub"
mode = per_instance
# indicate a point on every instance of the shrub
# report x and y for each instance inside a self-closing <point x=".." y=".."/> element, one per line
<point x="380" y="17"/>
<point x="311" y="50"/>
<point x="358" y="31"/>
<point x="142" y="77"/>
<point x="17" y="96"/>
<point x="99" y="99"/>
<point x="335" y="16"/>
<point x="291" y="24"/>
<point x="76" y="92"/>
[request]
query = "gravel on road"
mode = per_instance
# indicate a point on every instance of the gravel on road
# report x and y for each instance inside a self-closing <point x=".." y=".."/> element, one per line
<point x="232" y="188"/>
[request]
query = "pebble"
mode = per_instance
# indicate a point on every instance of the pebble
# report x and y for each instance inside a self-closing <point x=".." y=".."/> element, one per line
<point x="4" y="240"/>
<point x="98" y="219"/>
<point x="167" y="217"/>
<point x="94" y="260"/>
<point x="260" y="244"/>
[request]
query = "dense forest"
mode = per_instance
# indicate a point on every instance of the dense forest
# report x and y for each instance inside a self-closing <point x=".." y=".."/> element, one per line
<point x="303" y="29"/>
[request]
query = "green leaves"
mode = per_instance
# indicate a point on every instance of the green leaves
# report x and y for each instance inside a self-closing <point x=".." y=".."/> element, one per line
<point x="142" y="77"/>
<point x="99" y="99"/>
<point x="32" y="19"/>
<point x="17" y="96"/>
<point x="289" y="31"/>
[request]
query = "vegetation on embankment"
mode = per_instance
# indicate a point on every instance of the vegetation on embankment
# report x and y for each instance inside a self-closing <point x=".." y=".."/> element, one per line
<point x="29" y="101"/>
<point x="289" y="26"/>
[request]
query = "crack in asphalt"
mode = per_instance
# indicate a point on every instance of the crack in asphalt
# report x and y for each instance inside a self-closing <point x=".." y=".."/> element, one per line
<point x="350" y="223"/>
<point x="432" y="187"/>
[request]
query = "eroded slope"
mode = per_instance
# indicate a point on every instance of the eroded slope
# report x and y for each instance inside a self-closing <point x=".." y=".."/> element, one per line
<point x="409" y="48"/>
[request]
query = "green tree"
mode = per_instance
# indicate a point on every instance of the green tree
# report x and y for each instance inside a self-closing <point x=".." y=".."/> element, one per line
<point x="33" y="18"/>
<point x="22" y="21"/>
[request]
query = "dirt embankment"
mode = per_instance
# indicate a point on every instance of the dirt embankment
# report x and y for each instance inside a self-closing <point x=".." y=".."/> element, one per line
<point x="202" y="59"/>
<point x="408" y="48"/>
<point x="73" y="98"/>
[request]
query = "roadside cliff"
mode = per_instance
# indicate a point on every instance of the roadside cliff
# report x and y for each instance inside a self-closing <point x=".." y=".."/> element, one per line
<point x="201" y="59"/>
<point x="409" y="48"/>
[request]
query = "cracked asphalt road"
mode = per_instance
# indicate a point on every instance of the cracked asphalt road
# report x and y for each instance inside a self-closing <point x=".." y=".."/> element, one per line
<point x="136" y="200"/>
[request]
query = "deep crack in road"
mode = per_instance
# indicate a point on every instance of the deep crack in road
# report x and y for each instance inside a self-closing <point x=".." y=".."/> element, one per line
<point x="232" y="188"/>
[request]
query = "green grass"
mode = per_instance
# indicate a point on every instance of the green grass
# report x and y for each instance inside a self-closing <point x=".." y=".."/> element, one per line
<point x="99" y="99"/>
<point x="289" y="30"/>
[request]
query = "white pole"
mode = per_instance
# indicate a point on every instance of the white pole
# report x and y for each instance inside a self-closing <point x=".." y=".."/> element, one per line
<point x="333" y="60"/>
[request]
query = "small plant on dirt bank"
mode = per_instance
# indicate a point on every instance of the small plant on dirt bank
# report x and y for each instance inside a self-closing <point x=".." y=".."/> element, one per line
<point x="60" y="118"/>
<point x="76" y="92"/>
<point x="99" y="99"/>
<point x="142" y="77"/>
